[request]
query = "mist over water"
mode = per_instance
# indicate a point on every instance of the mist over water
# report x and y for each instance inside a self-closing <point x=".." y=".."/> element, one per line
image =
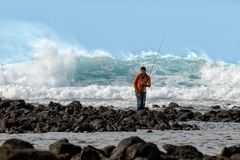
<point x="43" y="67"/>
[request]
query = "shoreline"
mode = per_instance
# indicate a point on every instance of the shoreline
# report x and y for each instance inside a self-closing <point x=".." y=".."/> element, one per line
<point x="17" y="116"/>
<point x="129" y="148"/>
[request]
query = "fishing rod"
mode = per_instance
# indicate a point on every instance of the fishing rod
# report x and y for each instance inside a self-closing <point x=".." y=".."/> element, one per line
<point x="164" y="37"/>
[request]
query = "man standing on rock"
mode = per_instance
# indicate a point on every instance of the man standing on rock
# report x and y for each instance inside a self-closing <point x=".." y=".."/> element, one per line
<point x="141" y="81"/>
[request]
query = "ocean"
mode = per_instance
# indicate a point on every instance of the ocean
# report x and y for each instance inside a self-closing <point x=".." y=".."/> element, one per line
<point x="39" y="70"/>
<point x="63" y="74"/>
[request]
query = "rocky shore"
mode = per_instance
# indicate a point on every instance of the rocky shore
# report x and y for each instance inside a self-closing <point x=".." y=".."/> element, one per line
<point x="17" y="116"/>
<point x="131" y="148"/>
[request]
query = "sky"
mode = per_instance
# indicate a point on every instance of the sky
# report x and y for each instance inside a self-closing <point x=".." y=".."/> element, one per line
<point x="210" y="27"/>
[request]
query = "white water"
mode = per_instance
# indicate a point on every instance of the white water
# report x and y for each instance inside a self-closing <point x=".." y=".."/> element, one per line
<point x="41" y="67"/>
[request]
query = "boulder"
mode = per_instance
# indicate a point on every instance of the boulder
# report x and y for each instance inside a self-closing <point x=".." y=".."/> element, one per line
<point x="183" y="152"/>
<point x="108" y="150"/>
<point x="7" y="153"/>
<point x="32" y="155"/>
<point x="119" y="153"/>
<point x="185" y="115"/>
<point x="235" y="156"/>
<point x="143" y="150"/>
<point x="89" y="153"/>
<point x="229" y="151"/>
<point x="17" y="144"/>
<point x="173" y="105"/>
<point x="216" y="107"/>
<point x="64" y="147"/>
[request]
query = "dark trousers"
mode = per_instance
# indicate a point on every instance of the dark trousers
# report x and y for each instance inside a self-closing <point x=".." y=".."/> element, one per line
<point x="141" y="98"/>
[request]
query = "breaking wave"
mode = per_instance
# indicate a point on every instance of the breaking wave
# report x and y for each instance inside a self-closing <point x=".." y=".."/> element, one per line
<point x="53" y="69"/>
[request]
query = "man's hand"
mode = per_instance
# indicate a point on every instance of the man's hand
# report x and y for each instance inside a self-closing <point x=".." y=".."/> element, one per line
<point x="145" y="84"/>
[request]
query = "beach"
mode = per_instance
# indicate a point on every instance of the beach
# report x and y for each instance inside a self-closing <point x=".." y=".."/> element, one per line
<point x="208" y="131"/>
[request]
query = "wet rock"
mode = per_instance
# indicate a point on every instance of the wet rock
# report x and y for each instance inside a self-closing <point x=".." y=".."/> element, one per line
<point x="119" y="153"/>
<point x="173" y="105"/>
<point x="235" y="156"/>
<point x="215" y="158"/>
<point x="170" y="110"/>
<point x="149" y="131"/>
<point x="223" y="115"/>
<point x="108" y="150"/>
<point x="197" y="115"/>
<point x="64" y="147"/>
<point x="7" y="153"/>
<point x="229" y="151"/>
<point x="185" y="115"/>
<point x="17" y="144"/>
<point x="5" y="104"/>
<point x="30" y="155"/>
<point x="155" y="106"/>
<point x="183" y="152"/>
<point x="89" y="153"/>
<point x="187" y="127"/>
<point x="149" y="151"/>
<point x="217" y="107"/>
<point x="162" y="126"/>
<point x="160" y="117"/>
<point x="75" y="104"/>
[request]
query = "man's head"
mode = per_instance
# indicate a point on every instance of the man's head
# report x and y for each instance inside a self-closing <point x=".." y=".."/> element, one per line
<point x="143" y="70"/>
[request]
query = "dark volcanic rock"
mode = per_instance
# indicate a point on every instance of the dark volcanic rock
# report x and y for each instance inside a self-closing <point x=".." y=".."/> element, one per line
<point x="64" y="147"/>
<point x="149" y="151"/>
<point x="173" y="105"/>
<point x="216" y="107"/>
<point x="185" y="115"/>
<point x="119" y="153"/>
<point x="183" y="152"/>
<point x="16" y="116"/>
<point x="108" y="150"/>
<point x="7" y="153"/>
<point x="90" y="153"/>
<point x="17" y="144"/>
<point x="229" y="151"/>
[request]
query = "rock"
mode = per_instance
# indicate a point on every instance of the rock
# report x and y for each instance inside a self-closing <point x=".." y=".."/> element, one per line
<point x="223" y="115"/>
<point x="155" y="106"/>
<point x="235" y="156"/>
<point x="17" y="144"/>
<point x="89" y="153"/>
<point x="197" y="115"/>
<point x="162" y="126"/>
<point x="215" y="158"/>
<point x="149" y="151"/>
<point x="173" y="105"/>
<point x="170" y="110"/>
<point x="64" y="147"/>
<point x="185" y="115"/>
<point x="217" y="107"/>
<point x="183" y="152"/>
<point x="7" y="153"/>
<point x="189" y="127"/>
<point x="229" y="151"/>
<point x="176" y="126"/>
<point x="75" y="104"/>
<point x="119" y="153"/>
<point x="30" y="155"/>
<point x="161" y="117"/>
<point x="149" y="131"/>
<point x="108" y="150"/>
<point x="5" y="104"/>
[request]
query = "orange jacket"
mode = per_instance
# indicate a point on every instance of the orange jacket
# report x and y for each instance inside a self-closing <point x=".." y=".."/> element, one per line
<point x="141" y="83"/>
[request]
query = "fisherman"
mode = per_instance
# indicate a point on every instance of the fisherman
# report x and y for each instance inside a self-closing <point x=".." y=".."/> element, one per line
<point x="141" y="81"/>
